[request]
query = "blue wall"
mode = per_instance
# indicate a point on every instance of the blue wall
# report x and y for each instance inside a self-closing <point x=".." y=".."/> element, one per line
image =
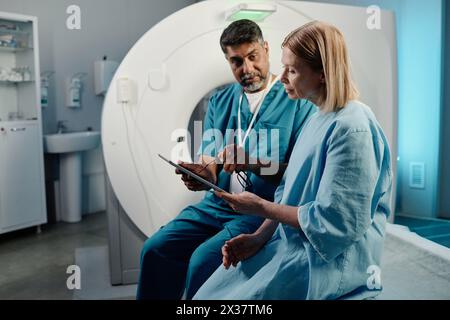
<point x="420" y="97"/>
<point x="444" y="193"/>
<point x="420" y="26"/>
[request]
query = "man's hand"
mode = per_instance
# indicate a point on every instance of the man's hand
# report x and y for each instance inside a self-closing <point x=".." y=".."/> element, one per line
<point x="240" y="248"/>
<point x="234" y="158"/>
<point x="206" y="173"/>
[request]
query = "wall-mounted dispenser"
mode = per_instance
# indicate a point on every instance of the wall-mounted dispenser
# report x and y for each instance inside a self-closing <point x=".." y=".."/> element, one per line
<point x="73" y="90"/>
<point x="45" y="83"/>
<point x="103" y="73"/>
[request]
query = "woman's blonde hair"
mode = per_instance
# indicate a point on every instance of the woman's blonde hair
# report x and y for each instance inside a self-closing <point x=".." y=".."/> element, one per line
<point x="322" y="47"/>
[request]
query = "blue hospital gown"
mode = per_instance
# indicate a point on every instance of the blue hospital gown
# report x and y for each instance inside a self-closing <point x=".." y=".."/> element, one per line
<point x="339" y="175"/>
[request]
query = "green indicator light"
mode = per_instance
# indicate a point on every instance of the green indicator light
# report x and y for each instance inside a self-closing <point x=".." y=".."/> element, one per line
<point x="251" y="15"/>
<point x="251" y="11"/>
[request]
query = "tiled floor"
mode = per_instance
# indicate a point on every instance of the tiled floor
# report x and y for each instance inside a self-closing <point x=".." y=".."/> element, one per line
<point x="33" y="266"/>
<point x="437" y="230"/>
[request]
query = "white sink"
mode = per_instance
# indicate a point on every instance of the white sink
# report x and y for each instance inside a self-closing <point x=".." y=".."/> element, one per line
<point x="71" y="142"/>
<point x="71" y="146"/>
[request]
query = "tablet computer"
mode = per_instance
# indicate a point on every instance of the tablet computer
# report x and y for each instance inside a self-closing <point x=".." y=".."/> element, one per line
<point x="192" y="174"/>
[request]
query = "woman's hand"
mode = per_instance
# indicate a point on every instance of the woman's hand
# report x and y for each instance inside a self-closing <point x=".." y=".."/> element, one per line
<point x="241" y="248"/>
<point x="244" y="202"/>
<point x="250" y="203"/>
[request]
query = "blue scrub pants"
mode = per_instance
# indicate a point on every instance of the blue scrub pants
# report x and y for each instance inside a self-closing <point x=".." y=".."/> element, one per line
<point x="185" y="252"/>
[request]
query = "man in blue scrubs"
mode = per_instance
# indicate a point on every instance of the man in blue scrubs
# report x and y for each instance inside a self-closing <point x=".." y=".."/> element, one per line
<point x="264" y="124"/>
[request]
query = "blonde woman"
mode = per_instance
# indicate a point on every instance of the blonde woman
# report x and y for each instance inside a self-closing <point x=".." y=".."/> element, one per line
<point x="323" y="236"/>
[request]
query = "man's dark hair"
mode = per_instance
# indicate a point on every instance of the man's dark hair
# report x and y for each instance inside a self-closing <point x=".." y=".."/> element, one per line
<point x="239" y="32"/>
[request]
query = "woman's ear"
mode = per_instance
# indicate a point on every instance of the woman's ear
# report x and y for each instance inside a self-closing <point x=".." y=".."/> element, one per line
<point x="322" y="77"/>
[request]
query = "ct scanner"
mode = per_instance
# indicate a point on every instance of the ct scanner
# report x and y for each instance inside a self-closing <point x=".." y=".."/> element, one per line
<point x="167" y="73"/>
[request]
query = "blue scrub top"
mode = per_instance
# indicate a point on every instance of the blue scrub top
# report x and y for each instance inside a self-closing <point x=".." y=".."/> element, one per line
<point x="273" y="135"/>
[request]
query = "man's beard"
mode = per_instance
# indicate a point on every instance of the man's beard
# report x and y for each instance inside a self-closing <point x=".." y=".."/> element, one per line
<point x="255" y="86"/>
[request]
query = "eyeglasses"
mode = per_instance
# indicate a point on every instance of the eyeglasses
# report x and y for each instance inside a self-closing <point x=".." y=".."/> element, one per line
<point x="244" y="180"/>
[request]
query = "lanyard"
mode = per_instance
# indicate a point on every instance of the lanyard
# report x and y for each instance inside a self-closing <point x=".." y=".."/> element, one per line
<point x="241" y="141"/>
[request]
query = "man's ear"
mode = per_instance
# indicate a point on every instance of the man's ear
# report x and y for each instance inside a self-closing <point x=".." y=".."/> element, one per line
<point x="226" y="53"/>
<point x="266" y="47"/>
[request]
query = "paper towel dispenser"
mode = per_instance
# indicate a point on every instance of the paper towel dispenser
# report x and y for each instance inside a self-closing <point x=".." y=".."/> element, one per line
<point x="103" y="74"/>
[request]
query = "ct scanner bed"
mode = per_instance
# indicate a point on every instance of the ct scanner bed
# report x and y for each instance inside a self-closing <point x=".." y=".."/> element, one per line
<point x="414" y="268"/>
